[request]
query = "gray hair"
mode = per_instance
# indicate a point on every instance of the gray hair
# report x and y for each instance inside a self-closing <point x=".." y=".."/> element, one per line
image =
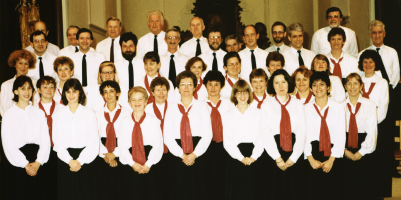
<point x="113" y="19"/>
<point x="157" y="12"/>
<point x="295" y="27"/>
<point x="376" y="23"/>
<point x="173" y="30"/>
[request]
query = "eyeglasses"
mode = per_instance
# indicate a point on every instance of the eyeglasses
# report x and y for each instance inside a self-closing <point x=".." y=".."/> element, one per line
<point x="278" y="33"/>
<point x="109" y="73"/>
<point x="244" y="93"/>
<point x="214" y="37"/>
<point x="39" y="41"/>
<point x="234" y="64"/>
<point x="335" y="17"/>
<point x="186" y="84"/>
<point x="173" y="38"/>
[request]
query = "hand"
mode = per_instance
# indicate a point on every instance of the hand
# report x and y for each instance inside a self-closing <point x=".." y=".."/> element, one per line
<point x="137" y="167"/>
<point x="289" y="163"/>
<point x="190" y="159"/>
<point x="74" y="165"/>
<point x="108" y="157"/>
<point x="32" y="168"/>
<point x="245" y="160"/>
<point x="357" y="156"/>
<point x="113" y="163"/>
<point x="328" y="164"/>
<point x="145" y="169"/>
<point x="250" y="160"/>
<point x="314" y="163"/>
<point x="349" y="154"/>
<point x="281" y="164"/>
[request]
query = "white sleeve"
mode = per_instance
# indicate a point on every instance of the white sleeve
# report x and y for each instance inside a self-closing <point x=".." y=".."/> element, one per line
<point x="308" y="140"/>
<point x="61" y="150"/>
<point x="206" y="126"/>
<point x="258" y="147"/>
<point x="44" y="146"/>
<point x="396" y="68"/>
<point x="337" y="134"/>
<point x="315" y="44"/>
<point x="382" y="106"/>
<point x="267" y="135"/>
<point x="300" y="135"/>
<point x="91" y="150"/>
<point x="353" y="47"/>
<point x="157" y="145"/>
<point x="369" y="145"/>
<point x="229" y="142"/>
<point x="124" y="143"/>
<point x="5" y="98"/>
<point x="169" y="130"/>
<point x="338" y="87"/>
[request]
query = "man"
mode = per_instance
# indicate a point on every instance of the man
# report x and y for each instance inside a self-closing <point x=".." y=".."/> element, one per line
<point x="198" y="44"/>
<point x="41" y="26"/>
<point x="44" y="59"/>
<point x="278" y="33"/>
<point x="213" y="57"/>
<point x="109" y="46"/>
<point x="233" y="43"/>
<point x="86" y="62"/>
<point x="252" y="56"/>
<point x="153" y="41"/>
<point x="131" y="67"/>
<point x="173" y="61"/>
<point x="73" y="48"/>
<point x="319" y="40"/>
<point x="297" y="55"/>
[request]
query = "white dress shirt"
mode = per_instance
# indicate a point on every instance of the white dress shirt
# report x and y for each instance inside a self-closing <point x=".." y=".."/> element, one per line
<point x="21" y="127"/>
<point x="202" y="93"/>
<point x="95" y="101"/>
<point x="226" y="90"/>
<point x="149" y="109"/>
<point x="254" y="103"/>
<point x="75" y="130"/>
<point x="47" y="106"/>
<point x="104" y="46"/>
<point x="379" y="94"/>
<point x="189" y="47"/>
<point x="200" y="123"/>
<point x="207" y="57"/>
<point x="246" y="61"/>
<point x="53" y="49"/>
<point x="390" y="61"/>
<point x="48" y="69"/>
<point x="337" y="92"/>
<point x="180" y="60"/>
<point x="7" y="94"/>
<point x="321" y="45"/>
<point x="67" y="51"/>
<point x="102" y="125"/>
<point x="93" y="61"/>
<point x="291" y="59"/>
<point x="336" y="122"/>
<point x="171" y="93"/>
<point x="145" y="44"/>
<point x="366" y="121"/>
<point x="312" y="99"/>
<point x="271" y="113"/>
<point x="283" y="48"/>
<point x="242" y="128"/>
<point x="225" y="106"/>
<point x="348" y="64"/>
<point x="123" y="71"/>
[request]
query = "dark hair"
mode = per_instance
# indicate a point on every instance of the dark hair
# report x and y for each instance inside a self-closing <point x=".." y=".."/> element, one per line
<point x="279" y="24"/>
<point x="275" y="56"/>
<point x="333" y="9"/>
<point x="19" y="82"/>
<point x="232" y="37"/>
<point x="262" y="29"/>
<point x="45" y="80"/>
<point x="71" y="27"/>
<point x="231" y="55"/>
<point x="258" y="72"/>
<point x="303" y="70"/>
<point x="336" y="31"/>
<point x="76" y="85"/>
<point x="215" y="29"/>
<point x="186" y="74"/>
<point x="321" y="57"/>
<point x="322" y="76"/>
<point x="159" y="81"/>
<point x="36" y="33"/>
<point x="125" y="37"/>
<point x="84" y="30"/>
<point x="152" y="56"/>
<point x="214" y="76"/>
<point x="369" y="53"/>
<point x="111" y="84"/>
<point x="291" y="85"/>
<point x="63" y="60"/>
<point x="193" y="60"/>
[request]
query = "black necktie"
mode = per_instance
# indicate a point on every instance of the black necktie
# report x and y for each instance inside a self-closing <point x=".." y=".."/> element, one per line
<point x="155" y="47"/>
<point x="300" y="60"/>
<point x="84" y="81"/>
<point x="198" y="49"/>
<point x="41" y="72"/>
<point x="130" y="74"/>
<point x="383" y="69"/>
<point x="214" y="66"/>
<point x="112" y="51"/>
<point x="76" y="49"/>
<point x="172" y="74"/>
<point x="253" y="59"/>
<point x="278" y="49"/>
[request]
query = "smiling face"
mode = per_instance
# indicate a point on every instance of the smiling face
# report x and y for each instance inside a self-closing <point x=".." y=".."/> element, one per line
<point x="64" y="72"/>
<point x="137" y="102"/>
<point x="107" y="74"/>
<point x="242" y="97"/>
<point x="196" y="68"/>
<point x="160" y="93"/>
<point x="301" y="82"/>
<point x="334" y="19"/>
<point x="280" y="85"/>
<point x="296" y="39"/>
<point x="320" y="89"/>
<point x="320" y="65"/>
<point x="113" y="28"/>
<point x="369" y="67"/>
<point x="233" y="67"/>
<point x="72" y="95"/>
<point x="39" y="44"/>
<point x="250" y="37"/>
<point x="214" y="40"/>
<point x="186" y="87"/>
<point x="213" y="88"/>
<point x="337" y="42"/>
<point x="24" y="93"/>
<point x="274" y="65"/>
<point x="110" y="95"/>
<point x="84" y="42"/>
<point x="155" y="24"/>
<point x="72" y="36"/>
<point x="259" y="85"/>
<point x="377" y="35"/>
<point x="22" y="67"/>
<point x="353" y="87"/>
<point x="172" y="39"/>
<point x="196" y="27"/>
<point x="151" y="68"/>
<point x="47" y="91"/>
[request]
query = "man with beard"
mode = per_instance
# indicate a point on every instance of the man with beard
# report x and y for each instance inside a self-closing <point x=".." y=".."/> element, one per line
<point x="173" y="61"/>
<point x="320" y="44"/>
<point x="131" y="67"/>
<point x="233" y="43"/>
<point x="44" y="59"/>
<point x="278" y="33"/>
<point x="213" y="57"/>
<point x="198" y="44"/>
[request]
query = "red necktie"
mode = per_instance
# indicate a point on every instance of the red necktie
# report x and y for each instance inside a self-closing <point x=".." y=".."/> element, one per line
<point x="110" y="131"/>
<point x="366" y="94"/>
<point x="49" y="118"/>
<point x="217" y="125"/>
<point x="307" y="98"/>
<point x="198" y="88"/>
<point x="353" y="127"/>
<point x="324" y="138"/>
<point x="186" y="134"/>
<point x="159" y="116"/>
<point x="151" y="99"/>
<point x="259" y="102"/>
<point x="337" y="68"/>
<point x="138" y="150"/>
<point x="285" y="127"/>
<point x="61" y="100"/>
<point x="230" y="82"/>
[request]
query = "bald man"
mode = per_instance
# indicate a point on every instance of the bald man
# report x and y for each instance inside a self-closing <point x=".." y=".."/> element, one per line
<point x="51" y="48"/>
<point x="198" y="44"/>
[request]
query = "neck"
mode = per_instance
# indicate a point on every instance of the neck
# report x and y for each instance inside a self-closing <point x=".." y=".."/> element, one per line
<point x="73" y="106"/>
<point x="378" y="45"/>
<point x="198" y="36"/>
<point x="303" y="94"/>
<point x="138" y="114"/>
<point x="279" y="44"/>
<point x="283" y="98"/>
<point x="61" y="84"/>
<point x="336" y="53"/>
<point x="369" y="75"/>
<point x="17" y="75"/>
<point x="22" y="104"/>
<point x="114" y="37"/>
<point x="252" y="48"/>
<point x="46" y="100"/>
<point x="172" y="50"/>
<point x="214" y="99"/>
<point x="111" y="106"/>
<point x="321" y="102"/>
<point x="160" y="103"/>
<point x="154" y="33"/>
<point x="153" y="75"/>
<point x="234" y="77"/>
<point x="39" y="54"/>
<point x="297" y="48"/>
<point x="260" y="94"/>
<point x="186" y="101"/>
<point x="84" y="51"/>
<point x="74" y="45"/>
<point x="242" y="107"/>
<point x="354" y="99"/>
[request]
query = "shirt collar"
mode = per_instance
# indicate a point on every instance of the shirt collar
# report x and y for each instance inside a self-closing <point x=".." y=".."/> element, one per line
<point x="295" y="51"/>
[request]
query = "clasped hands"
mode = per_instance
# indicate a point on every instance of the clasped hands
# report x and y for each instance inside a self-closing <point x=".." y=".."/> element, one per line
<point x="326" y="165"/>
<point x="75" y="165"/>
<point x="141" y="169"/>
<point x="110" y="159"/>
<point x="284" y="165"/>
<point x="32" y="168"/>
<point x="248" y="160"/>
<point x="188" y="159"/>
<point x="355" y="157"/>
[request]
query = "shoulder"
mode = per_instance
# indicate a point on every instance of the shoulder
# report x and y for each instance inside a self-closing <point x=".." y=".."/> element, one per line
<point x="367" y="102"/>
<point x="320" y="31"/>
<point x="53" y="46"/>
<point x="335" y="105"/>
<point x="102" y="43"/>
<point x="334" y="79"/>
<point x="143" y="38"/>
<point x="309" y="52"/>
<point x="348" y="30"/>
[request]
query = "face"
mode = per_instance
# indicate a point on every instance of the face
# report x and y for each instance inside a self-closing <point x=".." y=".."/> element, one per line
<point x="196" y="68"/>
<point x="274" y="65"/>
<point x="334" y="19"/>
<point x="47" y="91"/>
<point x="377" y="35"/>
<point x="353" y="87"/>
<point x="214" y="40"/>
<point x="152" y="68"/>
<point x="259" y="85"/>
<point x="39" y="44"/>
<point x="196" y="27"/>
<point x="172" y="39"/>
<point x="84" y="41"/>
<point x="278" y="34"/>
<point x="127" y="48"/>
<point x="24" y="92"/>
<point x="39" y="26"/>
<point x="336" y="42"/>
<point x="233" y="67"/>
<point x="113" y="28"/>
<point x="64" y="72"/>
<point x="155" y="24"/>
<point x="250" y="37"/>
<point x="213" y="88"/>
<point x="72" y="36"/>
<point x="107" y="74"/>
<point x="137" y="102"/>
<point x="22" y="67"/>
<point x="160" y="93"/>
<point x="280" y="85"/>
<point x="320" y="65"/>
<point x="186" y="87"/>
<point x="369" y="66"/>
<point x="319" y="89"/>
<point x="242" y="97"/>
<point x="232" y="45"/>
<point x="72" y="95"/>
<point x="110" y="94"/>
<point x="296" y="39"/>
<point x="301" y="82"/>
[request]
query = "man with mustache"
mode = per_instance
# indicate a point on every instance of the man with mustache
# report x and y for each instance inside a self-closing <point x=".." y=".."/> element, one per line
<point x="198" y="44"/>
<point x="320" y="44"/>
<point x="213" y="57"/>
<point x="278" y="33"/>
<point x="44" y="59"/>
<point x="109" y="46"/>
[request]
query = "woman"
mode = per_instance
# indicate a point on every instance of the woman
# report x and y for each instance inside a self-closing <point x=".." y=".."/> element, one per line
<point x="274" y="61"/>
<point x="258" y="78"/>
<point x="187" y="134"/>
<point x="325" y="141"/>
<point x="360" y="141"/>
<point x="26" y="145"/>
<point x="196" y="66"/>
<point x="321" y="64"/>
<point x="232" y="66"/>
<point x="242" y="142"/>
<point x="141" y="147"/>
<point x="285" y="135"/>
<point x="301" y="79"/>
<point x="76" y="141"/>
<point x="64" y="67"/>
